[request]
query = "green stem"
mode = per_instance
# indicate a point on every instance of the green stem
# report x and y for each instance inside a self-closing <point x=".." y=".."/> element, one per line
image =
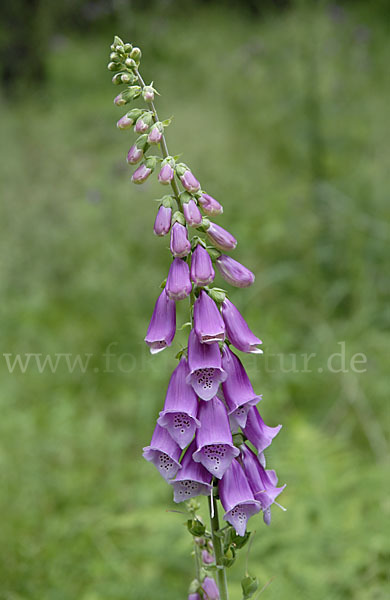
<point x="163" y="145"/>
<point x="198" y="562"/>
<point x="218" y="549"/>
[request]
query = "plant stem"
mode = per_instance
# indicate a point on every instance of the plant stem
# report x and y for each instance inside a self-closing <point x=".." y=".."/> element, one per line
<point x="218" y="550"/>
<point x="163" y="145"/>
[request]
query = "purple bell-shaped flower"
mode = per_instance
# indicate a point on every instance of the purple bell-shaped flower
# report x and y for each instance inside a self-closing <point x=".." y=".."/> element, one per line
<point x="237" y="329"/>
<point x="237" y="498"/>
<point x="262" y="482"/>
<point x="214" y="443"/>
<point x="162" y="326"/>
<point x="192" y="480"/>
<point x="180" y="408"/>
<point x="178" y="284"/>
<point x="206" y="372"/>
<point x="202" y="272"/>
<point x="210" y="589"/>
<point x="237" y="389"/>
<point x="257" y="432"/>
<point x="208" y="322"/>
<point x="164" y="453"/>
<point x="180" y="245"/>
<point x="234" y="272"/>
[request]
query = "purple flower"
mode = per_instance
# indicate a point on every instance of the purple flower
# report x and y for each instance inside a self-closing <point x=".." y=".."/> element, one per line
<point x="180" y="408"/>
<point x="162" y="223"/>
<point x="237" y="389"/>
<point x="141" y="174"/>
<point x="207" y="558"/>
<point x="204" y="361"/>
<point x="234" y="272"/>
<point x="210" y="205"/>
<point x="221" y="238"/>
<point x="237" y="498"/>
<point x="194" y="597"/>
<point x="155" y="135"/>
<point x="238" y="331"/>
<point x="214" y="441"/>
<point x="257" y="432"/>
<point x="192" y="213"/>
<point x="202" y="272"/>
<point x="262" y="482"/>
<point x="166" y="174"/>
<point x="134" y="155"/>
<point x="208" y="323"/>
<point x="164" y="453"/>
<point x="180" y="245"/>
<point x="192" y="480"/>
<point x="210" y="589"/>
<point x="162" y="326"/>
<point x="178" y="284"/>
<point x="189" y="181"/>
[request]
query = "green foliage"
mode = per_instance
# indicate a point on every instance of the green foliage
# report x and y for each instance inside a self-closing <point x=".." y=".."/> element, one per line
<point x="284" y="121"/>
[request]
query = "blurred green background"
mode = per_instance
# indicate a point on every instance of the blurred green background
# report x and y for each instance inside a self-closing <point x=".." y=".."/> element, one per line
<point x="281" y="109"/>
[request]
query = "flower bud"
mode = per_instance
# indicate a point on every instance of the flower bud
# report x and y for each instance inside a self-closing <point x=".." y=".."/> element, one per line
<point x="220" y="237"/>
<point x="166" y="174"/>
<point x="189" y="182"/>
<point x="119" y="100"/>
<point x="125" y="122"/>
<point x="207" y="558"/>
<point x="141" y="174"/>
<point x="210" y="205"/>
<point x="180" y="245"/>
<point x="130" y="63"/>
<point x="112" y="66"/>
<point x="210" y="589"/>
<point x="162" y="223"/>
<point x="234" y="272"/>
<point x="192" y="213"/>
<point x="155" y="134"/>
<point x="116" y="80"/>
<point x="148" y="93"/>
<point x="249" y="586"/>
<point x="143" y="122"/>
<point x="134" y="155"/>
<point x="194" y="596"/>
<point x="136" y="54"/>
<point x="128" y="48"/>
<point x="126" y="78"/>
<point x="114" y="56"/>
<point x="178" y="282"/>
<point x="202" y="272"/>
<point x="117" y="42"/>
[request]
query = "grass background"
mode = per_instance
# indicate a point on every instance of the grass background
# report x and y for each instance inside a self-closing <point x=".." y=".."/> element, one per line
<point x="284" y="119"/>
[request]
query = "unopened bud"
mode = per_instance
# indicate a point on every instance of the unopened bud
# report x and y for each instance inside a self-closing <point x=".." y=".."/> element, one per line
<point x="136" y="54"/>
<point x="126" y="78"/>
<point x="148" y="93"/>
<point x="155" y="134"/>
<point x="129" y="62"/>
<point x="114" y="56"/>
<point x="196" y="527"/>
<point x="113" y="66"/>
<point x="217" y="294"/>
<point x="116" y="80"/>
<point x="128" y="47"/>
<point x="249" y="586"/>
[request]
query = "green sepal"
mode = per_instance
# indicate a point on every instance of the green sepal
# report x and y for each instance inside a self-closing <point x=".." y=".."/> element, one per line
<point x="167" y="201"/>
<point x="238" y="439"/>
<point x="151" y="162"/>
<point x="128" y="48"/>
<point x="185" y="325"/>
<point x="194" y="587"/>
<point x="178" y="217"/>
<point x="117" y="42"/>
<point x="217" y="294"/>
<point x="196" y="527"/>
<point x="142" y="142"/>
<point x="180" y="169"/>
<point x="167" y="122"/>
<point x="213" y="252"/>
<point x="229" y="556"/>
<point x="197" y="240"/>
<point x="185" y="197"/>
<point x="181" y="353"/>
<point x="114" y="66"/>
<point x="135" y="114"/>
<point x="249" y="586"/>
<point x="233" y="538"/>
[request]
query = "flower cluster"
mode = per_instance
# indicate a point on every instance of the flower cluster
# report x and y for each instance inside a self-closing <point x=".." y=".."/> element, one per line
<point x="200" y="441"/>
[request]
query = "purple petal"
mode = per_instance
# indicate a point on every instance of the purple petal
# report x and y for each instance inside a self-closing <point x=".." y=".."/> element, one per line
<point x="180" y="245"/>
<point x="262" y="482"/>
<point x="221" y="238"/>
<point x="209" y="325"/>
<point x="257" y="432"/>
<point x="164" y="453"/>
<point x="178" y="284"/>
<point x="237" y="498"/>
<point x="237" y="389"/>
<point x="234" y="272"/>
<point x="192" y="480"/>
<point x="162" y="326"/>
<point x="214" y="441"/>
<point x="162" y="223"/>
<point x="180" y="408"/>
<point x="210" y="205"/>
<point x="202" y="272"/>
<point x="237" y="329"/>
<point x="210" y="589"/>
<point x="204" y="362"/>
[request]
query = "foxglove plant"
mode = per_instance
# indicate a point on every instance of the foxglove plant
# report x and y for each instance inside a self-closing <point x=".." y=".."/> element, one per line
<point x="199" y="444"/>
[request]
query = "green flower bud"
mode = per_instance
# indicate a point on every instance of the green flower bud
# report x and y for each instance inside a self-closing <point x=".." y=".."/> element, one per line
<point x="195" y="527"/>
<point x="114" y="56"/>
<point x="113" y="66"/>
<point x="117" y="42"/>
<point x="120" y="49"/>
<point x="217" y="294"/>
<point x="117" y="79"/>
<point x="180" y="169"/>
<point x="249" y="586"/>
<point x="125" y="78"/>
<point x="128" y="48"/>
<point x="136" y="54"/>
<point x="129" y="62"/>
<point x="229" y="556"/>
